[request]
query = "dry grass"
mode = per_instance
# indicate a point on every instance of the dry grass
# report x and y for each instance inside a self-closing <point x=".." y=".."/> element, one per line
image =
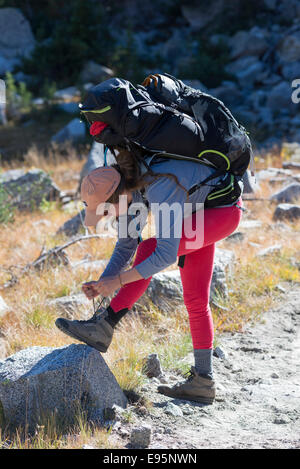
<point x="31" y="322"/>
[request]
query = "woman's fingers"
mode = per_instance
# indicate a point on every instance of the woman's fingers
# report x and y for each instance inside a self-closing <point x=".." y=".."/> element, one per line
<point x="89" y="289"/>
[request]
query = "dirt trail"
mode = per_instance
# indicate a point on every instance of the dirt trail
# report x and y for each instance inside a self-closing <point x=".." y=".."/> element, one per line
<point x="258" y="403"/>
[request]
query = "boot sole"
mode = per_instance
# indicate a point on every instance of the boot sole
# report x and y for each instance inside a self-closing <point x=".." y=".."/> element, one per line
<point x="98" y="346"/>
<point x="202" y="400"/>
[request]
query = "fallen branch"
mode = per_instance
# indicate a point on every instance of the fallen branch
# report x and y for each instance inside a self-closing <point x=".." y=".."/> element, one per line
<point x="54" y="256"/>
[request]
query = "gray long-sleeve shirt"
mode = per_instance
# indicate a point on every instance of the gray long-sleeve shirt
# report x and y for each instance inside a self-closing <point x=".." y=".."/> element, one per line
<point x="163" y="190"/>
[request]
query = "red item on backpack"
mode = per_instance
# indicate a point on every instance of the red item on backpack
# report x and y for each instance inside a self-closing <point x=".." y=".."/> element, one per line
<point x="97" y="127"/>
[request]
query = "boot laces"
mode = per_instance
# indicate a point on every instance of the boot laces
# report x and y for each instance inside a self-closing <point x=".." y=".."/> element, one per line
<point x="189" y="375"/>
<point x="99" y="314"/>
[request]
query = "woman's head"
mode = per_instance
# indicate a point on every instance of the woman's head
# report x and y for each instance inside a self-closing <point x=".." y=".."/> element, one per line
<point x="107" y="184"/>
<point x="97" y="188"/>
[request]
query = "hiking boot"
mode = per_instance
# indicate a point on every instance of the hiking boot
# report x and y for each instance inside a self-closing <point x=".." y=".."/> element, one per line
<point x="95" y="332"/>
<point x="195" y="388"/>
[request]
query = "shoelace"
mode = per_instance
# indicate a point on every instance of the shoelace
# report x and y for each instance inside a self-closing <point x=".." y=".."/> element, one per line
<point x="97" y="313"/>
<point x="189" y="375"/>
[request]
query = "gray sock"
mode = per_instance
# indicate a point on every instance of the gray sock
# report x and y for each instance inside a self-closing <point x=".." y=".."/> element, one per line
<point x="203" y="361"/>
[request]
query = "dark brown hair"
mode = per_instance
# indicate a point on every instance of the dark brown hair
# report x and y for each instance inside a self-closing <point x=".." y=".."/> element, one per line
<point x="131" y="177"/>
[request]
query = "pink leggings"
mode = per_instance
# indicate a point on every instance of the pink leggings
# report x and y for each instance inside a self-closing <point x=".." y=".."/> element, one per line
<point x="196" y="274"/>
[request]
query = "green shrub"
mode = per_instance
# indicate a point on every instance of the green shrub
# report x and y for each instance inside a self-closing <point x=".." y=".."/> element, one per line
<point x="66" y="41"/>
<point x="18" y="96"/>
<point x="6" y="208"/>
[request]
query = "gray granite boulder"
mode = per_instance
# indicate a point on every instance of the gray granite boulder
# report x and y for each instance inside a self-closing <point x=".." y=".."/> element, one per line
<point x="16" y="38"/>
<point x="152" y="367"/>
<point x="39" y="381"/>
<point x="293" y="151"/>
<point x="3" y="307"/>
<point x="199" y="17"/>
<point x="67" y="93"/>
<point x="249" y="185"/>
<point x="275" y="249"/>
<point x="73" y="226"/>
<point x="287" y="212"/>
<point x="251" y="42"/>
<point x="289" y="48"/>
<point x="287" y="194"/>
<point x="165" y="288"/>
<point x="279" y="97"/>
<point x="96" y="159"/>
<point x="27" y="190"/>
<point x="93" y="72"/>
<point x="69" y="306"/>
<point x="141" y="436"/>
<point x="74" y="131"/>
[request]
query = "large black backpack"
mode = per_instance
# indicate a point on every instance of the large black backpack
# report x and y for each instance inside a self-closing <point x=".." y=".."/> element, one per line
<point x="169" y="119"/>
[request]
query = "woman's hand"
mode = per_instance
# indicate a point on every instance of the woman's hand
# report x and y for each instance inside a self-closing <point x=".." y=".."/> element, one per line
<point x="104" y="287"/>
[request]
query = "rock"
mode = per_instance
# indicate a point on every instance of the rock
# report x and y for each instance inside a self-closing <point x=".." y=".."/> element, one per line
<point x="289" y="48"/>
<point x="280" y="97"/>
<point x="239" y="65"/>
<point x="174" y="410"/>
<point x="292" y="165"/>
<point x="40" y="380"/>
<point x="12" y="175"/>
<point x="27" y="190"/>
<point x="249" y="185"/>
<point x="218" y="352"/>
<point x="16" y="39"/>
<point x="3" y="118"/>
<point x="141" y="436"/>
<point x="165" y="288"/>
<point x="115" y="413"/>
<point x="272" y="172"/>
<point x="280" y="288"/>
<point x="152" y="366"/>
<point x="68" y="306"/>
<point x="96" y="159"/>
<point x="3" y="349"/>
<point x="3" y="307"/>
<point x="238" y="236"/>
<point x="70" y="108"/>
<point x="287" y="194"/>
<point x="223" y="264"/>
<point x="271" y="80"/>
<point x="265" y="116"/>
<point x="293" y="151"/>
<point x="95" y="73"/>
<point x="250" y="224"/>
<point x="251" y="42"/>
<point x="90" y="265"/>
<point x="67" y="94"/>
<point x="88" y="447"/>
<point x="198" y="17"/>
<point x="228" y="92"/>
<point x="73" y="226"/>
<point x="245" y="117"/>
<point x="174" y="50"/>
<point x="254" y="73"/>
<point x="270" y="250"/>
<point x="73" y="132"/>
<point x="291" y="71"/>
<point x="163" y="380"/>
<point x="6" y="65"/>
<point x="287" y="212"/>
<point x="196" y="84"/>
